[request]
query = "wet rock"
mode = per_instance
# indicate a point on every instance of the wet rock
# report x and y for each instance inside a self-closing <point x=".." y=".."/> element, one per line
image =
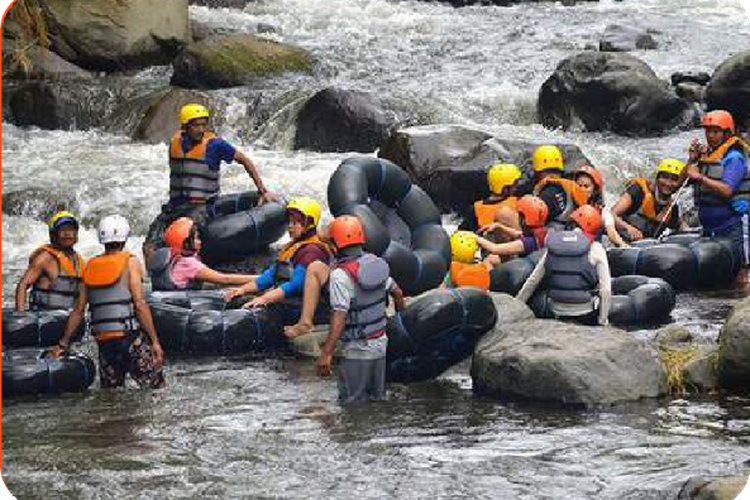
<point x="729" y="88"/>
<point x="619" y="38"/>
<point x="673" y="335"/>
<point x="567" y="364"/>
<point x="340" y="120"/>
<point x="501" y="3"/>
<point x="450" y="161"/>
<point x="700" y="77"/>
<point x="36" y="63"/>
<point x="222" y="4"/>
<point x="234" y="60"/>
<point x="611" y="92"/>
<point x="699" y="374"/>
<point x="691" y="91"/>
<point x="724" y="488"/>
<point x="37" y="203"/>
<point x="734" y="349"/>
<point x="109" y="35"/>
<point x="510" y="309"/>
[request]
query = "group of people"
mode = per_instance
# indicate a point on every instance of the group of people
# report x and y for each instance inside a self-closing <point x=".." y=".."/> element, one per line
<point x="326" y="269"/>
<point x="566" y="218"/>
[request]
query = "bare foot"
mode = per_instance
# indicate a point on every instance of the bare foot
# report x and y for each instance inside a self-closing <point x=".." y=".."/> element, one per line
<point x="297" y="329"/>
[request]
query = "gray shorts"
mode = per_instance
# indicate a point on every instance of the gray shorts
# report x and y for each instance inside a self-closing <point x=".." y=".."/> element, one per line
<point x="361" y="380"/>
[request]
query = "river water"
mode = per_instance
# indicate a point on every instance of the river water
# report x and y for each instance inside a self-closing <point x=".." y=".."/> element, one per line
<point x="269" y="428"/>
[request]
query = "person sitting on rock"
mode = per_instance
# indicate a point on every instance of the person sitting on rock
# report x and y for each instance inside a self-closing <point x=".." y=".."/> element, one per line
<point x="646" y="208"/>
<point x="493" y="215"/>
<point x="575" y="268"/>
<point x="179" y="267"/>
<point x="195" y="157"/>
<point x="55" y="270"/>
<point x="721" y="181"/>
<point x="532" y="216"/>
<point x="561" y="195"/>
<point x="590" y="180"/>
<point x="121" y="319"/>
<point x="465" y="270"/>
<point x="285" y="279"/>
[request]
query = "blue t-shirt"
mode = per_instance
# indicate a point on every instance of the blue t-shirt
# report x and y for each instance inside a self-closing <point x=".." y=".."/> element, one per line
<point x="717" y="218"/>
<point x="217" y="150"/>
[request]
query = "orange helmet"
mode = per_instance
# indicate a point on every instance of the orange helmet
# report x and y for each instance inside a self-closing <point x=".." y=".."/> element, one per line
<point x="719" y="118"/>
<point x="588" y="218"/>
<point x="347" y="231"/>
<point x="178" y="232"/>
<point x="534" y="210"/>
<point x="592" y="172"/>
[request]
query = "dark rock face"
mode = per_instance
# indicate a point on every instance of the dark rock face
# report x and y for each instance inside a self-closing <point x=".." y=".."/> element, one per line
<point x="37" y="63"/>
<point x="723" y="488"/>
<point x="611" y="91"/>
<point x="339" y="120"/>
<point x="729" y="88"/>
<point x="734" y="349"/>
<point x="619" y="38"/>
<point x="37" y="203"/>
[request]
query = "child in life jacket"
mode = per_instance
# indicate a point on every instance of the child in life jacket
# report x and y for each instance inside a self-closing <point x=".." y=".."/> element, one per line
<point x="465" y="270"/>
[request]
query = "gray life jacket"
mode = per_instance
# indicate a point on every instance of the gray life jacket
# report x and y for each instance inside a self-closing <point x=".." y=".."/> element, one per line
<point x="189" y="174"/>
<point x="110" y="305"/>
<point x="61" y="292"/>
<point x="570" y="276"/>
<point x="366" y="316"/>
<point x="160" y="270"/>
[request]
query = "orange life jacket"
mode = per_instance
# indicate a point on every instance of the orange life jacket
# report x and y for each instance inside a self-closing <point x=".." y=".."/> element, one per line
<point x="576" y="195"/>
<point x="286" y="254"/>
<point x="485" y="211"/>
<point x="475" y="275"/>
<point x="646" y="218"/>
<point x="711" y="166"/>
<point x="189" y="175"/>
<point x="110" y="300"/>
<point x="63" y="291"/>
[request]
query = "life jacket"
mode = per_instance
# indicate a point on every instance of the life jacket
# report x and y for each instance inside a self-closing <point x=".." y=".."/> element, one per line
<point x="63" y="291"/>
<point x="366" y="317"/>
<point x="189" y="174"/>
<point x="475" y="275"/>
<point x="575" y="197"/>
<point x="110" y="301"/>
<point x="485" y="210"/>
<point x="284" y="264"/>
<point x="570" y="276"/>
<point x="646" y="217"/>
<point x="711" y="166"/>
<point x="160" y="269"/>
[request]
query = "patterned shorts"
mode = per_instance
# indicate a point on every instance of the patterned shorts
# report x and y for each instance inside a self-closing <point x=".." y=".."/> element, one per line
<point x="130" y="355"/>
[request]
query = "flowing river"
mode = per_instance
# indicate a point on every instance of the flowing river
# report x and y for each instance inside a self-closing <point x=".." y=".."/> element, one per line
<point x="269" y="428"/>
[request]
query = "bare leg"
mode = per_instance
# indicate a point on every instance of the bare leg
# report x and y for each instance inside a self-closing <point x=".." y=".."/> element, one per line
<point x="316" y="277"/>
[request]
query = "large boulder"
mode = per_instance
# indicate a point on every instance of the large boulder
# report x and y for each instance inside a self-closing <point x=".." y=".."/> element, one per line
<point x="723" y="488"/>
<point x="112" y="34"/>
<point x="32" y="62"/>
<point x="568" y="364"/>
<point x="222" y="4"/>
<point x="235" y="60"/>
<point x="734" y="349"/>
<point x="611" y="92"/>
<point x="340" y="120"/>
<point x="450" y="161"/>
<point x="621" y="38"/>
<point x="729" y="88"/>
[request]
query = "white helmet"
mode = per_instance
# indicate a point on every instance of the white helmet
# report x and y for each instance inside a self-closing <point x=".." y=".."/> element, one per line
<point x="113" y="229"/>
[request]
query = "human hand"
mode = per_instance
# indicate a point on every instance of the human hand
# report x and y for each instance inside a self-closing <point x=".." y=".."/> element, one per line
<point x="256" y="302"/>
<point x="634" y="233"/>
<point x="692" y="172"/>
<point x="324" y="364"/>
<point x="56" y="351"/>
<point x="492" y="226"/>
<point x="268" y="196"/>
<point x="231" y="293"/>
<point x="158" y="354"/>
<point x="696" y="150"/>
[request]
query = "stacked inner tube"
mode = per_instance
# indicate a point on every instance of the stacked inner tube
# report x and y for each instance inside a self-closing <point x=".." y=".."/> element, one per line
<point x="636" y="301"/>
<point x="401" y="222"/>
<point x="683" y="260"/>
<point x="36" y="328"/>
<point x="197" y="323"/>
<point x="26" y="372"/>
<point x="236" y="227"/>
<point x="436" y="331"/>
<point x="510" y="276"/>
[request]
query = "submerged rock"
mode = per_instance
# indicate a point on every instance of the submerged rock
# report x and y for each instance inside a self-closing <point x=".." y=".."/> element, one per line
<point x="620" y="38"/>
<point x="38" y="203"/>
<point x="729" y="88"/>
<point x="564" y="363"/>
<point x="723" y="488"/>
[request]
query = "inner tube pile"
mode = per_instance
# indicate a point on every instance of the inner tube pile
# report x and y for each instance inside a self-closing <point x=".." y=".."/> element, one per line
<point x="26" y="372"/>
<point x="510" y="276"/>
<point x="36" y="328"/>
<point x="402" y="224"/>
<point x="436" y="331"/>
<point x="684" y="261"/>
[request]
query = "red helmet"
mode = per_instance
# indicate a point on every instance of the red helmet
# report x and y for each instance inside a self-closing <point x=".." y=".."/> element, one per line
<point x="588" y="218"/>
<point x="534" y="210"/>
<point x="177" y="233"/>
<point x="592" y="172"/>
<point x="719" y="118"/>
<point x="346" y="231"/>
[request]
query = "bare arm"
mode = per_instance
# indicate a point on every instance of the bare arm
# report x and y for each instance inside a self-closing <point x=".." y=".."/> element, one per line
<point x="252" y="170"/>
<point x="142" y="311"/>
<point x="209" y="275"/>
<point x="533" y="281"/>
<point x="398" y="297"/>
<point x="75" y="318"/>
<point x="33" y="273"/>
<point x="338" y="322"/>
<point x="503" y="249"/>
<point x="270" y="297"/>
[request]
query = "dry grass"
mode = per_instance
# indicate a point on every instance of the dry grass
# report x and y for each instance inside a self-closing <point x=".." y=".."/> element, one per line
<point x="29" y="17"/>
<point x="674" y="360"/>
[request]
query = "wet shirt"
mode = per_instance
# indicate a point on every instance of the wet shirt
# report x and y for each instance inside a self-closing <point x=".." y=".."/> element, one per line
<point x="721" y="217"/>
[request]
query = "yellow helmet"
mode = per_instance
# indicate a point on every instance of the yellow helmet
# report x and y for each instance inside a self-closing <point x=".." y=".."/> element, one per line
<point x="547" y="157"/>
<point x="307" y="207"/>
<point x="191" y="112"/>
<point x="502" y="175"/>
<point x="464" y="246"/>
<point x="670" y="166"/>
<point x="61" y="218"/>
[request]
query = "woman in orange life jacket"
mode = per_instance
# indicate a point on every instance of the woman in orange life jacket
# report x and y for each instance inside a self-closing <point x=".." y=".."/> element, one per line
<point x="498" y="213"/>
<point x="646" y="206"/>
<point x="121" y="320"/>
<point x="590" y="179"/>
<point x="465" y="270"/>
<point x="532" y="215"/>
<point x="55" y="270"/>
<point x="180" y="267"/>
<point x="285" y="279"/>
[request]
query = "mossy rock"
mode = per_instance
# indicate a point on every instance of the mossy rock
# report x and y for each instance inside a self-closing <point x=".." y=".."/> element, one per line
<point x="235" y="60"/>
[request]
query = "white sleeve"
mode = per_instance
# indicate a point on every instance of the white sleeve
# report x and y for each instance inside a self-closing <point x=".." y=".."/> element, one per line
<point x="608" y="219"/>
